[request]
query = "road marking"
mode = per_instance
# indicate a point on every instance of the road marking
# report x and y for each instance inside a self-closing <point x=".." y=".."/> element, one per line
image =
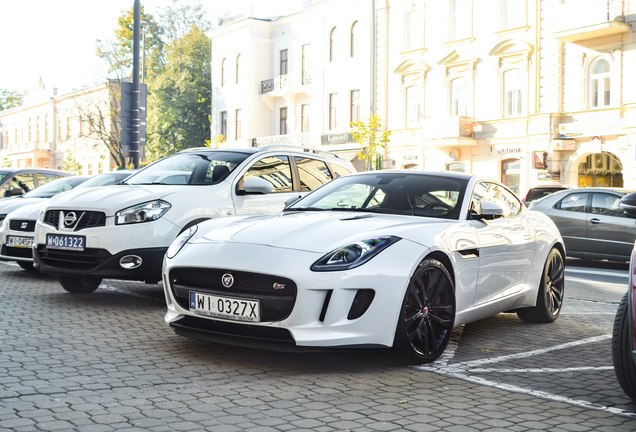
<point x="464" y="369"/>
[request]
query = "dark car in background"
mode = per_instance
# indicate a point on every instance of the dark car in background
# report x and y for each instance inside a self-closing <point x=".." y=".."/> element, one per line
<point x="592" y="222"/>
<point x="539" y="192"/>
<point x="16" y="181"/>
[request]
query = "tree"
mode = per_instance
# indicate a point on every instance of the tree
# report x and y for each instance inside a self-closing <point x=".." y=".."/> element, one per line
<point x="215" y="142"/>
<point x="180" y="96"/>
<point x="10" y="99"/>
<point x="369" y="135"/>
<point x="70" y="164"/>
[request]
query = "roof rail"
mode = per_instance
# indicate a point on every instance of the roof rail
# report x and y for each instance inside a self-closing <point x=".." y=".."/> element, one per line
<point x="299" y="148"/>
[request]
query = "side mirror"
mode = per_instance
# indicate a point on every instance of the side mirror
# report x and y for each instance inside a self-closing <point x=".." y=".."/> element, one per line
<point x="628" y="204"/>
<point x="15" y="191"/>
<point x="489" y="210"/>
<point x="257" y="185"/>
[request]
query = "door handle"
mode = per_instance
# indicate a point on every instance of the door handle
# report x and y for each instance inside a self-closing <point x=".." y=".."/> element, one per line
<point x="596" y="221"/>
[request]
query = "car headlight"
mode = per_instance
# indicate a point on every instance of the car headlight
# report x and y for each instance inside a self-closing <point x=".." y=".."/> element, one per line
<point x="145" y="212"/>
<point x="181" y="240"/>
<point x="354" y="254"/>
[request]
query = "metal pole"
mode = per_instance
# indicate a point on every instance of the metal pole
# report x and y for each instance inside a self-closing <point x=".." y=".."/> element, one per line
<point x="136" y="119"/>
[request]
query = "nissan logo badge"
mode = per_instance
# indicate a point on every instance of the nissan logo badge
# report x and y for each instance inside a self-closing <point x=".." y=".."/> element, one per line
<point x="227" y="280"/>
<point x="69" y="218"/>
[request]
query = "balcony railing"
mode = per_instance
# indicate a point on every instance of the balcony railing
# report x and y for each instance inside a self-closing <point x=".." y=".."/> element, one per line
<point x="582" y="20"/>
<point x="285" y="82"/>
<point x="28" y="147"/>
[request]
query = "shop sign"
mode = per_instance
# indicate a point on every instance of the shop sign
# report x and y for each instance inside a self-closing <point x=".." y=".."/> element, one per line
<point x="563" y="145"/>
<point x="544" y="175"/>
<point x="507" y="149"/>
<point x="341" y="138"/>
<point x="409" y="157"/>
<point x="593" y="126"/>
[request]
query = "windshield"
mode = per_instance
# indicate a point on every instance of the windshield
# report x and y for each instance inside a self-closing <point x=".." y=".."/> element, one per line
<point x="399" y="193"/>
<point x="200" y="168"/>
<point x="55" y="187"/>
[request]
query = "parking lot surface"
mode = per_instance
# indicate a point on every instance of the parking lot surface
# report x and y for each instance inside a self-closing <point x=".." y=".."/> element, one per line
<point x="106" y="361"/>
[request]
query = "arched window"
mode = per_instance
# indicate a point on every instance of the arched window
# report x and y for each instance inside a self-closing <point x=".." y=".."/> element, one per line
<point x="599" y="90"/>
<point x="354" y="39"/>
<point x="238" y="58"/>
<point x="332" y="45"/>
<point x="222" y="72"/>
<point x="513" y="93"/>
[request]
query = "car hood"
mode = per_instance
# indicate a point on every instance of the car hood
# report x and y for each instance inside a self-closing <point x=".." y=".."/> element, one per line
<point x="15" y="203"/>
<point x="113" y="198"/>
<point x="30" y="211"/>
<point x="311" y="231"/>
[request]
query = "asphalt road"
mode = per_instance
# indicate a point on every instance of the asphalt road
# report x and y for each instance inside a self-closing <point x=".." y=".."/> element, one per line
<point x="106" y="361"/>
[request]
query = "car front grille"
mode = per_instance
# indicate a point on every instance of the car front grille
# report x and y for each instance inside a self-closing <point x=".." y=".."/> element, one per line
<point x="84" y="260"/>
<point x="275" y="294"/>
<point x="22" y="225"/>
<point x="85" y="219"/>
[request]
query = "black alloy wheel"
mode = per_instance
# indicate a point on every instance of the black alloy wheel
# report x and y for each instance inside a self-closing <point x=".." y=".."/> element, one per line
<point x="551" y="291"/>
<point x="427" y="315"/>
<point x="80" y="284"/>
<point x="624" y="366"/>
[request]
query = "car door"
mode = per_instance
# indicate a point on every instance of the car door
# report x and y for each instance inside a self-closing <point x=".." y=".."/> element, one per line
<point x="506" y="247"/>
<point x="569" y="215"/>
<point x="275" y="169"/>
<point x="609" y="232"/>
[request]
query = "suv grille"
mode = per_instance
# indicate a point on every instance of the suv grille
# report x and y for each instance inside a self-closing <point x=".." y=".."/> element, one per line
<point x="276" y="295"/>
<point x="86" y="219"/>
<point x="22" y="225"/>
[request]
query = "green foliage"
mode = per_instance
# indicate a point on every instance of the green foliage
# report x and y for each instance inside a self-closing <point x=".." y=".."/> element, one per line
<point x="70" y="164"/>
<point x="10" y="99"/>
<point x="215" y="142"/>
<point x="180" y="97"/>
<point x="369" y="135"/>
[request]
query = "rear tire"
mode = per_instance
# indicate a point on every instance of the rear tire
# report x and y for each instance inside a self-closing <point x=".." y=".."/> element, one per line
<point x="427" y="316"/>
<point x="551" y="292"/>
<point x="80" y="284"/>
<point x="621" y="350"/>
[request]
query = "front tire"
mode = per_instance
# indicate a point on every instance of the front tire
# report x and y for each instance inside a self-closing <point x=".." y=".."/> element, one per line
<point x="551" y="292"/>
<point x="622" y="351"/>
<point x="427" y="315"/>
<point x="80" y="285"/>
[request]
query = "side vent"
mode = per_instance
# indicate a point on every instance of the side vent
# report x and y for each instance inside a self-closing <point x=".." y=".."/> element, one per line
<point x="325" y="305"/>
<point x="361" y="303"/>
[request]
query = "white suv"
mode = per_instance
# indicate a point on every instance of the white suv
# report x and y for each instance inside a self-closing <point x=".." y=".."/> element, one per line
<point x="123" y="231"/>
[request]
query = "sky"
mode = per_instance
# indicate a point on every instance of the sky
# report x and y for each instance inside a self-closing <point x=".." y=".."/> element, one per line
<point x="55" y="40"/>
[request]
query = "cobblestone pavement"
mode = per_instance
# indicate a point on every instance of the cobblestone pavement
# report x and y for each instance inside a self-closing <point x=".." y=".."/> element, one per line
<point x="106" y="361"/>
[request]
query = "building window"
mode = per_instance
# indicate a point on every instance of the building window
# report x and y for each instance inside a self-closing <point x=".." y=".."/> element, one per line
<point x="333" y="111"/>
<point x="236" y="76"/>
<point x="513" y="13"/>
<point x="304" y="116"/>
<point x="46" y="128"/>
<point x="283" y="121"/>
<point x="29" y="129"/>
<point x="222" y="72"/>
<point x="305" y="64"/>
<point x="414" y="112"/>
<point x="332" y="45"/>
<point x="68" y="128"/>
<point x="354" y="111"/>
<point x="511" y="174"/>
<point x="461" y="19"/>
<point x="513" y="93"/>
<point x="237" y="123"/>
<point x="413" y="30"/>
<point x="283" y="62"/>
<point x="81" y="125"/>
<point x="37" y="130"/>
<point x="599" y="83"/>
<point x="224" y="124"/>
<point x="354" y="39"/>
<point x="459" y="97"/>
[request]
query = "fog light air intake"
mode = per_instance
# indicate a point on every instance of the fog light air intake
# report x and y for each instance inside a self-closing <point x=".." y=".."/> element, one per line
<point x="361" y="303"/>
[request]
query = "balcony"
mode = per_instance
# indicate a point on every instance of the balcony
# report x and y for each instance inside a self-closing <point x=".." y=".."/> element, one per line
<point x="28" y="147"/>
<point x="285" y="86"/>
<point x="581" y="21"/>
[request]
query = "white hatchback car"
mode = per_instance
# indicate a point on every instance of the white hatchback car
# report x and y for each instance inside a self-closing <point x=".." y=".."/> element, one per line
<point x="123" y="231"/>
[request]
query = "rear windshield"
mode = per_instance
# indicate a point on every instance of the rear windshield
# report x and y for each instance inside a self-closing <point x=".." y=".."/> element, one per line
<point x="201" y="168"/>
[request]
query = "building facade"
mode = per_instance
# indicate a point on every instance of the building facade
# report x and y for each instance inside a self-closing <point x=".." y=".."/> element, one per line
<point x="48" y="129"/>
<point x="530" y="92"/>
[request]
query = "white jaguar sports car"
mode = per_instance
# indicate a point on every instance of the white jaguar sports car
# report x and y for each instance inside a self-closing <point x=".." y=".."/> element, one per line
<point x="378" y="259"/>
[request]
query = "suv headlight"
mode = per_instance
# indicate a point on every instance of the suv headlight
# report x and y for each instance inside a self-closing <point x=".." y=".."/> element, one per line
<point x="145" y="212"/>
<point x="353" y="255"/>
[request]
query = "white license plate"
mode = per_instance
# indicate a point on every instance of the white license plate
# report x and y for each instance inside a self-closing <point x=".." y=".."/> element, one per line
<point x="19" y="242"/>
<point x="225" y="307"/>
<point x="66" y="242"/>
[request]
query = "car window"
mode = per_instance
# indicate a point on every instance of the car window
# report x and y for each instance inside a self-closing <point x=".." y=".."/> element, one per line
<point x="44" y="178"/>
<point x="274" y="169"/>
<point x="351" y="196"/>
<point x="55" y="187"/>
<point x="312" y="172"/>
<point x="573" y="202"/>
<point x="339" y="170"/>
<point x="26" y="182"/>
<point x="488" y="191"/>
<point x="606" y="204"/>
